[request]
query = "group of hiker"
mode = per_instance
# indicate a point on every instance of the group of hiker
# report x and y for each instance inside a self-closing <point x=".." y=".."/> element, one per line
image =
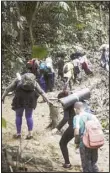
<point x="68" y="71"/>
<point x="39" y="80"/>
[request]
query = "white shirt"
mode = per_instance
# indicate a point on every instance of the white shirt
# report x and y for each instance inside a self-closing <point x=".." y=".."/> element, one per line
<point x="69" y="73"/>
<point x="48" y="60"/>
<point x="76" y="62"/>
<point x="49" y="64"/>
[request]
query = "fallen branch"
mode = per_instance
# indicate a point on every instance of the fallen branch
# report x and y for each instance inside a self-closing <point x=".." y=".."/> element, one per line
<point x="11" y="168"/>
<point x="28" y="160"/>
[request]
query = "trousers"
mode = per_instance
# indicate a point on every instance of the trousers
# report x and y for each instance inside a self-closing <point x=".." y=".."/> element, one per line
<point x="28" y="115"/>
<point x="67" y="136"/>
<point x="89" y="159"/>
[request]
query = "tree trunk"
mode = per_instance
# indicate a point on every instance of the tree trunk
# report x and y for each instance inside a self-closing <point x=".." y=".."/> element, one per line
<point x="100" y="15"/>
<point x="53" y="116"/>
<point x="76" y="11"/>
<point x="21" y="31"/>
<point x="30" y="25"/>
<point x="31" y="34"/>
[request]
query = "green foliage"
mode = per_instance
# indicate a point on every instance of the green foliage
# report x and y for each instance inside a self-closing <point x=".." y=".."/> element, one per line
<point x="39" y="52"/>
<point x="53" y="23"/>
<point x="105" y="123"/>
<point x="4" y="123"/>
<point x="80" y="26"/>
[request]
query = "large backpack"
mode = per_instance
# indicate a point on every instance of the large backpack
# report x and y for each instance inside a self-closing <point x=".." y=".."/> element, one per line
<point x="27" y="82"/>
<point x="93" y="136"/>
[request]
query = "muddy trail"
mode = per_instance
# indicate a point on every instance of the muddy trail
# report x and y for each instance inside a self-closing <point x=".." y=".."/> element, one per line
<point x="42" y="153"/>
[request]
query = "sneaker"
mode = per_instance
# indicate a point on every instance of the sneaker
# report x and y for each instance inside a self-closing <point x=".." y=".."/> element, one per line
<point x="17" y="136"/>
<point x="28" y="137"/>
<point x="67" y="165"/>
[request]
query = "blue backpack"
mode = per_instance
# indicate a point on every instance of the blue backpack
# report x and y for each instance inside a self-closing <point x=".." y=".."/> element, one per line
<point x="44" y="67"/>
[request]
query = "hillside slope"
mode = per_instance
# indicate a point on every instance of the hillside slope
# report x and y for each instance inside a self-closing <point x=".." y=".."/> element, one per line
<point x="43" y="152"/>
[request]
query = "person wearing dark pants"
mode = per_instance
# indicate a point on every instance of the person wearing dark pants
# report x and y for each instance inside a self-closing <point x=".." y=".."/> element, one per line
<point x="89" y="156"/>
<point x="50" y="81"/>
<point x="67" y="136"/>
<point x="89" y="159"/>
<point x="60" y="65"/>
<point x="69" y="133"/>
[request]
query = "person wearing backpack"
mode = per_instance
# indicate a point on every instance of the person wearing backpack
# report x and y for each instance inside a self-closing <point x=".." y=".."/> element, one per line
<point x="77" y="66"/>
<point x="27" y="91"/>
<point x="88" y="136"/>
<point x="85" y="64"/>
<point x="47" y="76"/>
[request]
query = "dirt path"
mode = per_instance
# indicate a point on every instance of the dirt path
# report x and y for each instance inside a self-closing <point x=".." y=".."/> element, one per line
<point x="44" y="148"/>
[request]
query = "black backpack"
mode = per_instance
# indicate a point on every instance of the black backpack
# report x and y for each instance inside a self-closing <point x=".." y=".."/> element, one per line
<point x="27" y="82"/>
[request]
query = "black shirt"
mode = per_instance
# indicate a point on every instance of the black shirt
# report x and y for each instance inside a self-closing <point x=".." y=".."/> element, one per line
<point x="68" y="117"/>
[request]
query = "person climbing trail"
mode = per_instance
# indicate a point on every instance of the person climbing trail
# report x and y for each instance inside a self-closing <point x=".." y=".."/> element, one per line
<point x="46" y="76"/>
<point x="27" y="91"/>
<point x="105" y="59"/>
<point x="33" y="67"/>
<point x="60" y="65"/>
<point x="77" y="66"/>
<point x="89" y="156"/>
<point x="85" y="64"/>
<point x="68" y="74"/>
<point x="69" y="133"/>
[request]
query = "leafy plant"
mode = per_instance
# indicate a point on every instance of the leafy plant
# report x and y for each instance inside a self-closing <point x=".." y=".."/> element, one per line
<point x="104" y="123"/>
<point x="4" y="123"/>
